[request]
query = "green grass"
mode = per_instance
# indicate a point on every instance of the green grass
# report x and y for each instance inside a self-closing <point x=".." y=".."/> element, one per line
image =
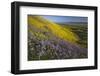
<point x="81" y="31"/>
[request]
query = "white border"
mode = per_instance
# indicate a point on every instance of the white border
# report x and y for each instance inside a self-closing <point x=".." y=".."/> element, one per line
<point x="26" y="65"/>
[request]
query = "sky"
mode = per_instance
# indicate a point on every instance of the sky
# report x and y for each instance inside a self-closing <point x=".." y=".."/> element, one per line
<point x="64" y="19"/>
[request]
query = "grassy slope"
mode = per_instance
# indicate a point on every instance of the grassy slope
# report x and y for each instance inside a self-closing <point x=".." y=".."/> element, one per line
<point x="81" y="31"/>
<point x="49" y="26"/>
<point x="48" y="40"/>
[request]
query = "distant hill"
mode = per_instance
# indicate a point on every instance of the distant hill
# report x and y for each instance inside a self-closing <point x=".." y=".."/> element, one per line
<point x="74" y="23"/>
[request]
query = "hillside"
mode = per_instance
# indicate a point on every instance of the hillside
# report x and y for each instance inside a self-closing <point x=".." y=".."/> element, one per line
<point x="48" y="26"/>
<point x="48" y="40"/>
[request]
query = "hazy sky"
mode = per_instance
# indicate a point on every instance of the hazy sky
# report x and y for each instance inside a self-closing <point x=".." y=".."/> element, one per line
<point x="61" y="19"/>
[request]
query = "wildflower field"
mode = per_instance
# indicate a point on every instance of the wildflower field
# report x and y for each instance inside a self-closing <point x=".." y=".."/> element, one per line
<point x="48" y="40"/>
